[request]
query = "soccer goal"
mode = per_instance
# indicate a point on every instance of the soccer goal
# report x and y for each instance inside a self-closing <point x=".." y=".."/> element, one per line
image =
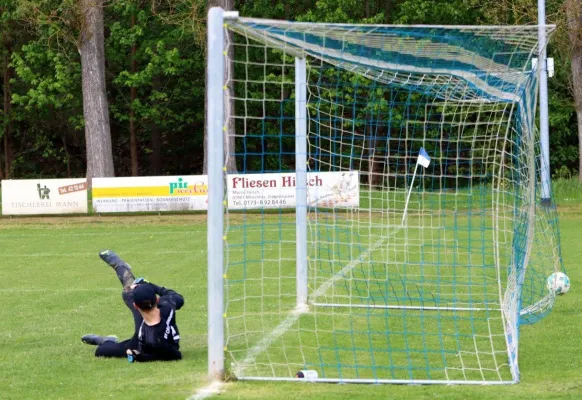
<point x="374" y="205"/>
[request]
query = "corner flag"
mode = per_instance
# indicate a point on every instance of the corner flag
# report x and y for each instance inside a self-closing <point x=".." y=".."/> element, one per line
<point x="423" y="158"/>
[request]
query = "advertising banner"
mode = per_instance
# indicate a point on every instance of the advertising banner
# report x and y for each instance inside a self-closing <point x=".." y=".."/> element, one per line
<point x="324" y="189"/>
<point x="151" y="193"/>
<point x="44" y="196"/>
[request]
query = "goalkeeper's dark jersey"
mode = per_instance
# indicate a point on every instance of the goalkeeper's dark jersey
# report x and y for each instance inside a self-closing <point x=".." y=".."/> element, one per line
<point x="162" y="341"/>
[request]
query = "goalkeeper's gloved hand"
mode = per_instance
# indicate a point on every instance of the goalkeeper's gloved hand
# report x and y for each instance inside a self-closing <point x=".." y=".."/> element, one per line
<point x="138" y="281"/>
<point x="131" y="355"/>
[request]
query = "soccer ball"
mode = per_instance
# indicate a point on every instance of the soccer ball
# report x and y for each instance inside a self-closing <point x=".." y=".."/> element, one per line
<point x="558" y="283"/>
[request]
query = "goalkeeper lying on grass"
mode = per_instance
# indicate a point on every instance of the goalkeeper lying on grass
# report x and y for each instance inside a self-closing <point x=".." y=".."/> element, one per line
<point x="156" y="334"/>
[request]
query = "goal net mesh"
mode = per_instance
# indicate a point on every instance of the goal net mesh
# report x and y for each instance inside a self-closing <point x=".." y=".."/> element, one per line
<point x="416" y="272"/>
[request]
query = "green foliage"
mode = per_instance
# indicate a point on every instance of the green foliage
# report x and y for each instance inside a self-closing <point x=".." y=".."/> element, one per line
<point x="46" y="84"/>
<point x="41" y="38"/>
<point x="567" y="189"/>
<point x="168" y="78"/>
<point x="51" y="79"/>
<point x="340" y="11"/>
<point x="563" y="139"/>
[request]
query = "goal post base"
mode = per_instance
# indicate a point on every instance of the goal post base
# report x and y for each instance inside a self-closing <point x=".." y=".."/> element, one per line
<point x="301" y="309"/>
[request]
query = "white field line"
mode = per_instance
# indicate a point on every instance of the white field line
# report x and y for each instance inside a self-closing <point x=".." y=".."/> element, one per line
<point x="75" y="289"/>
<point x="294" y="314"/>
<point x="119" y="231"/>
<point x="93" y="254"/>
<point x="268" y="340"/>
<point x="207" y="391"/>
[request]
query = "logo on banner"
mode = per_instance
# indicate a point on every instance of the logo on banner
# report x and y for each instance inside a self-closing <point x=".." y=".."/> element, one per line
<point x="181" y="188"/>
<point x="174" y="186"/>
<point x="43" y="192"/>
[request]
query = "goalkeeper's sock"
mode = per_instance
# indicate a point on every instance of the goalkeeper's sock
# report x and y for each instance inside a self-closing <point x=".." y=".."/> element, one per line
<point x="121" y="268"/>
<point x="112" y="259"/>
<point x="97" y="340"/>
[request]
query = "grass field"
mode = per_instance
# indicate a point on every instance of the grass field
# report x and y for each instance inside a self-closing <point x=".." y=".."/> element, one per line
<point x="55" y="288"/>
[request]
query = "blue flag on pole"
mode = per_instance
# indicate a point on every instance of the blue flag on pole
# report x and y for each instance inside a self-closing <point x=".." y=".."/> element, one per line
<point x="423" y="158"/>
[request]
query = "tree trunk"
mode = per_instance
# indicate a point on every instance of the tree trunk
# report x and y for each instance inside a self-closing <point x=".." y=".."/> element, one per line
<point x="388" y="5"/>
<point x="574" y="17"/>
<point x="1" y="172"/>
<point x="579" y="116"/>
<point x="95" y="105"/>
<point x="132" y="130"/>
<point x="67" y="156"/>
<point x="8" y="149"/>
<point x="229" y="135"/>
<point x="157" y="136"/>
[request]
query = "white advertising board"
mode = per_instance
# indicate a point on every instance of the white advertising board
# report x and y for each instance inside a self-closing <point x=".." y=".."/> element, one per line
<point x="150" y="193"/>
<point x="44" y="196"/>
<point x="324" y="189"/>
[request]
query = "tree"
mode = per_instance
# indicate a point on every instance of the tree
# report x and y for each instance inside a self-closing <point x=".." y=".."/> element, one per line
<point x="95" y="105"/>
<point x="47" y="108"/>
<point x="565" y="88"/>
<point x="125" y="31"/>
<point x="156" y="59"/>
<point x="7" y="116"/>
<point x="80" y="23"/>
<point x="574" y="19"/>
<point x="6" y="42"/>
<point x="133" y="93"/>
